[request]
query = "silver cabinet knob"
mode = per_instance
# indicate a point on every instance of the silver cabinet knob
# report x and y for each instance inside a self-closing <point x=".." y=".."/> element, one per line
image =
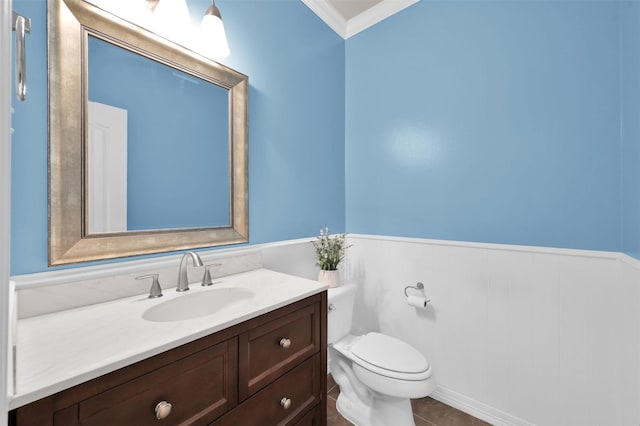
<point x="285" y="403"/>
<point x="163" y="409"/>
<point x="285" y="343"/>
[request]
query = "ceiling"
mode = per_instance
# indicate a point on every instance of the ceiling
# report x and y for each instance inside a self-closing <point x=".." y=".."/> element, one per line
<point x="349" y="17"/>
<point x="351" y="8"/>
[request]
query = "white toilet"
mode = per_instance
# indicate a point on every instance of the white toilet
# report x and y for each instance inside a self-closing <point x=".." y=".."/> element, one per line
<point x="377" y="374"/>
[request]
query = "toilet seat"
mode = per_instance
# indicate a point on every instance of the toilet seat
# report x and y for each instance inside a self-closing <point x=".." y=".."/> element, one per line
<point x="387" y="356"/>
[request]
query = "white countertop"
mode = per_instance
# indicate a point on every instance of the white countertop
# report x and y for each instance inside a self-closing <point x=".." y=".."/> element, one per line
<point x="60" y="350"/>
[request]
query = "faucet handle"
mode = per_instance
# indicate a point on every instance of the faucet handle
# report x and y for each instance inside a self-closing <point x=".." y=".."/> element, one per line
<point x="207" y="279"/>
<point x="156" y="290"/>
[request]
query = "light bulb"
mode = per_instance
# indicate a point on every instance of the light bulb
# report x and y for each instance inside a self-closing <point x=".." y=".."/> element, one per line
<point x="171" y="20"/>
<point x="212" y="40"/>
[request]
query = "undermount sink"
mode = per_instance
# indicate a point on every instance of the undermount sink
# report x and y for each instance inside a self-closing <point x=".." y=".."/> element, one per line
<point x="195" y="305"/>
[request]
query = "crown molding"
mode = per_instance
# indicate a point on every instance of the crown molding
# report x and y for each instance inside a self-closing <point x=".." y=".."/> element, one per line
<point x="377" y="13"/>
<point x="361" y="22"/>
<point x="329" y="15"/>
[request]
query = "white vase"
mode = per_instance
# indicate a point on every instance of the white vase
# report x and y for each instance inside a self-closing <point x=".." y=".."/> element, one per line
<point x="330" y="278"/>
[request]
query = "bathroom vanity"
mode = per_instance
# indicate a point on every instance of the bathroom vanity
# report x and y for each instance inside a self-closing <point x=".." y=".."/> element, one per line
<point x="259" y="362"/>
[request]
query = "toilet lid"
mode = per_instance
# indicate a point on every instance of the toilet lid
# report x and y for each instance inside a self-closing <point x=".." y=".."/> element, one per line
<point x="389" y="353"/>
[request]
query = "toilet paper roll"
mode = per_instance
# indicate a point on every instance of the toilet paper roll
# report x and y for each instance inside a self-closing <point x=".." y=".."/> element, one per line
<point x="417" y="301"/>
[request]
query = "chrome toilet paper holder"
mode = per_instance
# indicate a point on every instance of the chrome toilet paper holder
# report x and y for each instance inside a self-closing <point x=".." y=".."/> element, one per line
<point x="419" y="286"/>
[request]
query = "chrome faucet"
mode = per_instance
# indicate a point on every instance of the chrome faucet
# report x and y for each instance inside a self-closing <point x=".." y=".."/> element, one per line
<point x="183" y="279"/>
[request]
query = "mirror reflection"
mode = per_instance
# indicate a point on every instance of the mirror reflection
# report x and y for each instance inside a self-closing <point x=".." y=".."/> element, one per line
<point x="158" y="145"/>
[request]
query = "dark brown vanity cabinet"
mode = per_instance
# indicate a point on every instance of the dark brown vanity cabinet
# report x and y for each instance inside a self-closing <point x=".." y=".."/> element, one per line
<point x="270" y="370"/>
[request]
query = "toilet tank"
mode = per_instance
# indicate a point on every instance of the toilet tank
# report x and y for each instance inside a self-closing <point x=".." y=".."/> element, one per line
<point x="340" y="300"/>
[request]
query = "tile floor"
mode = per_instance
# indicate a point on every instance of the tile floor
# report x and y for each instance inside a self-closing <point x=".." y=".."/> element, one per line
<point x="426" y="412"/>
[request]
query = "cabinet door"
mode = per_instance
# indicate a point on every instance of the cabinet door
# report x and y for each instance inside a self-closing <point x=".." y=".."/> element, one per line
<point x="270" y="350"/>
<point x="200" y="388"/>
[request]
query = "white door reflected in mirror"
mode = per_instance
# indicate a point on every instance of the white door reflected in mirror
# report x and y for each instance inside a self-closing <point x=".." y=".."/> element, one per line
<point x="107" y="169"/>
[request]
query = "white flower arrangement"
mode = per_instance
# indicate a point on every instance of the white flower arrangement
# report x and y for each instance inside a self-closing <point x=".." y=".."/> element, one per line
<point x="330" y="250"/>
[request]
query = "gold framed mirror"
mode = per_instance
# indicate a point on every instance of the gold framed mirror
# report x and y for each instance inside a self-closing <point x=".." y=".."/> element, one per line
<point x="78" y="232"/>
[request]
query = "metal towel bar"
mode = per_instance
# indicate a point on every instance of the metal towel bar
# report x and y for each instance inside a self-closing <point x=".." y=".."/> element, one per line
<point x="21" y="26"/>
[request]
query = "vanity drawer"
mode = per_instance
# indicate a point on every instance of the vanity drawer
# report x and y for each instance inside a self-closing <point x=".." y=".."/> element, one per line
<point x="200" y="388"/>
<point x="312" y="418"/>
<point x="269" y="350"/>
<point x="284" y="402"/>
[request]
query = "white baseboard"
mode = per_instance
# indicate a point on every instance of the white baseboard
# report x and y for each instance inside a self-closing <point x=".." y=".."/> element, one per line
<point x="477" y="409"/>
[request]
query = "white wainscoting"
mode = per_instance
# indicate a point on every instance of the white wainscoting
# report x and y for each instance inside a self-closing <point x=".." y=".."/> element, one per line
<point x="515" y="335"/>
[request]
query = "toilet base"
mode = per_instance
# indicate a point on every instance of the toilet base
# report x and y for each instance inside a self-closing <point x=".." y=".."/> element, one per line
<point x="385" y="411"/>
<point x="354" y="411"/>
<point x="353" y="403"/>
<point x="389" y="411"/>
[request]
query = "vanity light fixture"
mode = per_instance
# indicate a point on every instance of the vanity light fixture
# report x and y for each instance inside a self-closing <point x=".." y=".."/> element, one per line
<point x="211" y="38"/>
<point x="151" y="4"/>
<point x="171" y="20"/>
<point x="137" y="12"/>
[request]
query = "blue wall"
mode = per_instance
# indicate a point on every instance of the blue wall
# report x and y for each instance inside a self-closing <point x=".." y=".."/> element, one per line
<point x="630" y="125"/>
<point x="296" y="115"/>
<point x="490" y="121"/>
<point x="487" y="121"/>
